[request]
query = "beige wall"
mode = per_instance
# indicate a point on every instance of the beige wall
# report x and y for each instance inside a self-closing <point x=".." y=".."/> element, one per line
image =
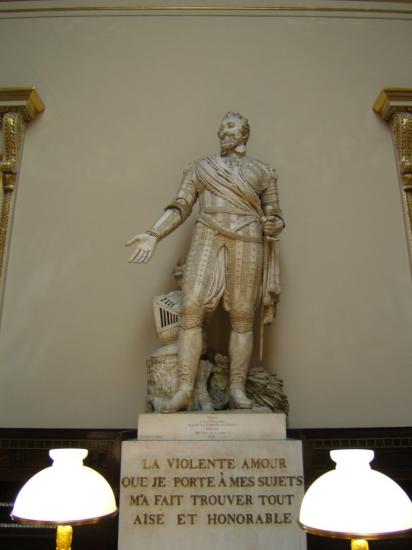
<point x="130" y="101"/>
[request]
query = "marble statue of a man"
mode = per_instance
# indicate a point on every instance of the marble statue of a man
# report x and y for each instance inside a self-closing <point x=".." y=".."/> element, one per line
<point x="231" y="256"/>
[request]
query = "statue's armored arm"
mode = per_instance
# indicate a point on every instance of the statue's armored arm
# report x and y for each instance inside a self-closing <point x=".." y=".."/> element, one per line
<point x="168" y="221"/>
<point x="178" y="210"/>
<point x="270" y="196"/>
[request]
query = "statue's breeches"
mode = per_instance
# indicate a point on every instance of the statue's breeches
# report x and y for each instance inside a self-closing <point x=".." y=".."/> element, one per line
<point x="218" y="267"/>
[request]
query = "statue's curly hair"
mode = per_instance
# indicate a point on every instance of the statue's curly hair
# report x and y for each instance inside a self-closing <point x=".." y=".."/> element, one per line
<point x="244" y="121"/>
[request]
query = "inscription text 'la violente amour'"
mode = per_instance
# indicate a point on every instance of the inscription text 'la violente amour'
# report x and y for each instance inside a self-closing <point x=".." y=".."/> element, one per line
<point x="210" y="491"/>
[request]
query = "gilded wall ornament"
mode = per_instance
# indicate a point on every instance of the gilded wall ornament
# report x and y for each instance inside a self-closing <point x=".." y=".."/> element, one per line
<point x="394" y="105"/>
<point x="18" y="106"/>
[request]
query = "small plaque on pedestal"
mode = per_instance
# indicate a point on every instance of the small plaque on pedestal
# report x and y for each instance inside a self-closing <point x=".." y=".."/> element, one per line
<point x="230" y="425"/>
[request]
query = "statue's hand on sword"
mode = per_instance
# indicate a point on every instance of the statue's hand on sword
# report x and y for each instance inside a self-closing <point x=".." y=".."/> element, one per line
<point x="272" y="226"/>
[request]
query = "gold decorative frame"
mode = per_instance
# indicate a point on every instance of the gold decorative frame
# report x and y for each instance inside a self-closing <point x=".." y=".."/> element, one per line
<point x="18" y="106"/>
<point x="394" y="105"/>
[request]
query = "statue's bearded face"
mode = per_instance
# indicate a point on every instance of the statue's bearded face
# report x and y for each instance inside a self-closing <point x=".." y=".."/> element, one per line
<point x="231" y="134"/>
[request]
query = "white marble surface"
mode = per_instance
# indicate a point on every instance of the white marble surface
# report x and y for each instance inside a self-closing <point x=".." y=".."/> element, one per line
<point x="227" y="495"/>
<point x="230" y="425"/>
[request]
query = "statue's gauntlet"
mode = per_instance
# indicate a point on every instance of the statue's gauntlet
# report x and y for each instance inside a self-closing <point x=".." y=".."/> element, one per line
<point x="272" y="227"/>
<point x="168" y="221"/>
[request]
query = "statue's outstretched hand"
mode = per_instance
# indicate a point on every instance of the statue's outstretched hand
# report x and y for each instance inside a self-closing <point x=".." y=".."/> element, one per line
<point x="145" y="245"/>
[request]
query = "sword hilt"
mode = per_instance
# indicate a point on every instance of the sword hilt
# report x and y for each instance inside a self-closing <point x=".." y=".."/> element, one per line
<point x="268" y="210"/>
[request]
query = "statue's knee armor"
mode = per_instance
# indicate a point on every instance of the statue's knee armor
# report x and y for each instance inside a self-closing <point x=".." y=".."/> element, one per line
<point x="242" y="319"/>
<point x="192" y="313"/>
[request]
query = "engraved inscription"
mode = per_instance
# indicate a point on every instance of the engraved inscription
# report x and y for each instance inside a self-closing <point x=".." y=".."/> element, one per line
<point x="172" y="489"/>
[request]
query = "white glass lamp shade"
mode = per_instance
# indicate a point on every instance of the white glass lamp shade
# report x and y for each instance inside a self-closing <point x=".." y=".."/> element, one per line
<point x="355" y="501"/>
<point x="65" y="493"/>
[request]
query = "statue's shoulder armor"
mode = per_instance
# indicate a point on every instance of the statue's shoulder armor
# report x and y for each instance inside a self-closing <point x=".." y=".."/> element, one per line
<point x="257" y="173"/>
<point x="188" y="169"/>
<point x="194" y="167"/>
<point x="203" y="159"/>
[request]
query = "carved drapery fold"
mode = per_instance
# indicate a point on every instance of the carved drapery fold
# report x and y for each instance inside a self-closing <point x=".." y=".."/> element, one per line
<point x="395" y="106"/>
<point x="18" y="106"/>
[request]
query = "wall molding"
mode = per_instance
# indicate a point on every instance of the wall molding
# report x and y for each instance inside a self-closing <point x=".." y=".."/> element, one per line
<point x="380" y="9"/>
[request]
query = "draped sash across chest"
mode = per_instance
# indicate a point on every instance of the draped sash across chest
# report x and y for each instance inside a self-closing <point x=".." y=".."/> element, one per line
<point x="228" y="183"/>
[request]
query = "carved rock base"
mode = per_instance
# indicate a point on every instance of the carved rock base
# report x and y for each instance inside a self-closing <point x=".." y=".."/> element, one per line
<point x="211" y="391"/>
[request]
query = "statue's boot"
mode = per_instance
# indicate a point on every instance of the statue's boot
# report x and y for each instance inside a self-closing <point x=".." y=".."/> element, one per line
<point x="189" y="352"/>
<point x="240" y="350"/>
<point x="181" y="400"/>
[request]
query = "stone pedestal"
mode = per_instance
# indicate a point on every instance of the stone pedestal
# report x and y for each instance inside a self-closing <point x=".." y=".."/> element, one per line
<point x="225" y="494"/>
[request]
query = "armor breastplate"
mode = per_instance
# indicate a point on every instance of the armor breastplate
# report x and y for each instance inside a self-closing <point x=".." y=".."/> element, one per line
<point x="252" y="171"/>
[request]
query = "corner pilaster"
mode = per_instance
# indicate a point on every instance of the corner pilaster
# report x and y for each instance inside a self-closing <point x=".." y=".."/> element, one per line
<point x="18" y="107"/>
<point x="394" y="105"/>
